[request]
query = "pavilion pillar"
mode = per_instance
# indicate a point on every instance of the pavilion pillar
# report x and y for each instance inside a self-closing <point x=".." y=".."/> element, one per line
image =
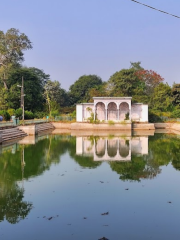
<point x="118" y="114"/>
<point x="106" y="114"/>
<point x="94" y="112"/>
<point x="130" y="114"/>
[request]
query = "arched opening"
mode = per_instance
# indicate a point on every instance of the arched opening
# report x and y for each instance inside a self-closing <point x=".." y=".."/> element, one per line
<point x="124" y="148"/>
<point x="100" y="147"/>
<point x="112" y="111"/>
<point x="100" y="111"/>
<point x="124" y="111"/>
<point x="112" y="146"/>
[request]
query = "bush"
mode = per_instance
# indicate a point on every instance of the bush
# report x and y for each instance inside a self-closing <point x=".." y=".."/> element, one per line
<point x="6" y="116"/>
<point x="110" y="122"/>
<point x="55" y="113"/>
<point x="73" y="114"/>
<point x="39" y="114"/>
<point x="18" y="113"/>
<point x="175" y="114"/>
<point x="28" y="115"/>
<point x="127" y="116"/>
<point x="154" y="117"/>
<point x="11" y="112"/>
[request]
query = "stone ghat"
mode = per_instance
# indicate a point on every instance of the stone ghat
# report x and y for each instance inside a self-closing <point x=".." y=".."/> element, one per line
<point x="11" y="134"/>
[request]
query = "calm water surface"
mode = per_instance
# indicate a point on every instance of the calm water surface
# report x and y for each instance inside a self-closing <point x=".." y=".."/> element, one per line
<point x="59" y="187"/>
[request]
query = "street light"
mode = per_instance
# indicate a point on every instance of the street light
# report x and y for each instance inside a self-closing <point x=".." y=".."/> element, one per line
<point x="22" y="97"/>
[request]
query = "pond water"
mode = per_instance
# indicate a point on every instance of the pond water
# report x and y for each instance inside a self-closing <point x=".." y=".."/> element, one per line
<point x="66" y="187"/>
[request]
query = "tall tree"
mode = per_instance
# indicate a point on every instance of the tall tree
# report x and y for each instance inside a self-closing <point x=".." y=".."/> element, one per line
<point x="123" y="83"/>
<point x="176" y="94"/>
<point x="12" y="45"/>
<point x="136" y="65"/>
<point x="150" y="78"/>
<point x="33" y="88"/>
<point x="161" y="98"/>
<point x="55" y="96"/>
<point x="79" y="91"/>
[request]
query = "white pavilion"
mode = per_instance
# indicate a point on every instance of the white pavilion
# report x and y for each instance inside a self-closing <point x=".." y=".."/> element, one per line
<point x="116" y="109"/>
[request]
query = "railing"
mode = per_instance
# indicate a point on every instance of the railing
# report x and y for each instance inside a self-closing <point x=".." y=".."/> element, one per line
<point x="7" y="124"/>
<point x="17" y="122"/>
<point x="36" y="121"/>
<point x="64" y="118"/>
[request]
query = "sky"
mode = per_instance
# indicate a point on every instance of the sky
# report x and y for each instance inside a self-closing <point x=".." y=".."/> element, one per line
<point x="72" y="38"/>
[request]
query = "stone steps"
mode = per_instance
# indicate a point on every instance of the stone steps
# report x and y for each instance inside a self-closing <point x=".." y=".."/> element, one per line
<point x="44" y="127"/>
<point x="10" y="134"/>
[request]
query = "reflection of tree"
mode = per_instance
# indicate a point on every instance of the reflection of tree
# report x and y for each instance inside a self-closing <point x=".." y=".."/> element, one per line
<point x="163" y="149"/>
<point x="38" y="158"/>
<point x="12" y="208"/>
<point x="133" y="170"/>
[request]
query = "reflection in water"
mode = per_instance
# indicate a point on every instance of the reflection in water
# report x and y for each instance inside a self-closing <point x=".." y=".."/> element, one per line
<point x="126" y="156"/>
<point x="111" y="149"/>
<point x="12" y="206"/>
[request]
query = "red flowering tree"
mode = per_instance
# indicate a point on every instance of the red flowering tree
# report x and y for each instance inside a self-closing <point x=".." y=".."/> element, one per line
<point x="150" y="78"/>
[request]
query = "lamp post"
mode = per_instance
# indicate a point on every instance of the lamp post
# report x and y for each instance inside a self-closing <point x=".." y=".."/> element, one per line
<point x="22" y="97"/>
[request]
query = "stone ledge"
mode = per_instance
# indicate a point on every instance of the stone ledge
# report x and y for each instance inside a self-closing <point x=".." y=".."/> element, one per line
<point x="101" y="126"/>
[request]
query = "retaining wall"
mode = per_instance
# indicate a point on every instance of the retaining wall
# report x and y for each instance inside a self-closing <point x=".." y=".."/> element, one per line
<point x="101" y="126"/>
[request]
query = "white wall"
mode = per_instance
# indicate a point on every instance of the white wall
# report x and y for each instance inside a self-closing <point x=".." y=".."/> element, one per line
<point x="86" y="113"/>
<point x="139" y="112"/>
<point x="144" y="113"/>
<point x="79" y="113"/>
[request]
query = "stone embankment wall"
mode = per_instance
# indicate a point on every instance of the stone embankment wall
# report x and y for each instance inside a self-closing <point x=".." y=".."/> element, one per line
<point x="174" y="126"/>
<point x="35" y="129"/>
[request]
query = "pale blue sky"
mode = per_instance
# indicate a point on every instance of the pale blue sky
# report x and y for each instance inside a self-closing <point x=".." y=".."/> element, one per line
<point x="76" y="37"/>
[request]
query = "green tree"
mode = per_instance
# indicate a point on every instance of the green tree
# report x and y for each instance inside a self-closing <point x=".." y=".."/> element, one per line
<point x="79" y="91"/>
<point x="124" y="83"/>
<point x="136" y="65"/>
<point x="3" y="98"/>
<point x="55" y="96"/>
<point x="161" y="98"/>
<point x="33" y="89"/>
<point x="176" y="94"/>
<point x="12" y="45"/>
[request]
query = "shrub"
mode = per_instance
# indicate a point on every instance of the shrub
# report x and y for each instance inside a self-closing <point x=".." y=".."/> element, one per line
<point x="55" y="113"/>
<point x="110" y="122"/>
<point x="6" y="116"/>
<point x="18" y="113"/>
<point x="11" y="112"/>
<point x="73" y="114"/>
<point x="28" y="115"/>
<point x="39" y="114"/>
<point x="127" y="116"/>
<point x="176" y="114"/>
<point x="154" y="117"/>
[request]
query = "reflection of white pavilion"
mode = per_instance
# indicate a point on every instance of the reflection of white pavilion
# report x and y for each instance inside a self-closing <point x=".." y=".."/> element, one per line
<point x="113" y="149"/>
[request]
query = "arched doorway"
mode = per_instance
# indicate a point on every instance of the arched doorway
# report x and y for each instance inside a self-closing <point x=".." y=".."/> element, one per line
<point x="100" y="147"/>
<point x="124" y="148"/>
<point x="124" y="111"/>
<point x="100" y="111"/>
<point x="112" y="111"/>
<point x="112" y="146"/>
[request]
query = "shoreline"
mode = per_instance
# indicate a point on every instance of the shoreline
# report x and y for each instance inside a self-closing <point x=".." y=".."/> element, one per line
<point x="78" y="128"/>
